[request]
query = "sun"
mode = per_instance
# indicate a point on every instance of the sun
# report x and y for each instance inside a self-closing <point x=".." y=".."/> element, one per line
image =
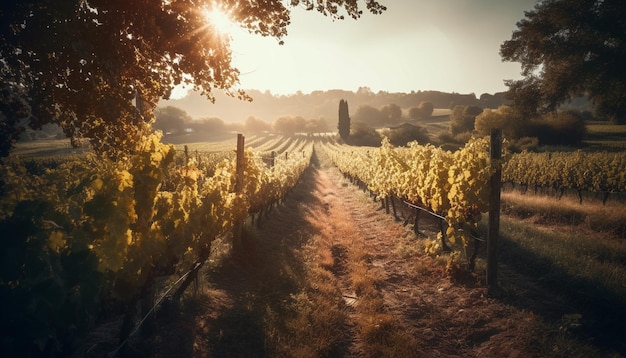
<point x="220" y="20"/>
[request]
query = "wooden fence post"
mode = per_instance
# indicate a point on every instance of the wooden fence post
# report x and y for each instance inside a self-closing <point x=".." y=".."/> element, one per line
<point x="240" y="164"/>
<point x="495" y="182"/>
<point x="272" y="159"/>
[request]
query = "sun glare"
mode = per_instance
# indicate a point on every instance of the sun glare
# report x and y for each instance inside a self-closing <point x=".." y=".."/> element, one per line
<point x="220" y="20"/>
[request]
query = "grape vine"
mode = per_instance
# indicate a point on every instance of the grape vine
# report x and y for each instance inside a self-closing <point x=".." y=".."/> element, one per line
<point x="559" y="171"/>
<point x="453" y="185"/>
<point x="93" y="230"/>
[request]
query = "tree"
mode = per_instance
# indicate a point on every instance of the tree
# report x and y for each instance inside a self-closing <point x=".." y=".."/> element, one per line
<point x="81" y="64"/>
<point x="405" y="133"/>
<point x="171" y="120"/>
<point x="207" y="125"/>
<point x="415" y="113"/>
<point x="423" y="110"/>
<point x="369" y="115"/>
<point x="427" y="108"/>
<point x="256" y="125"/>
<point x="504" y="118"/>
<point x="364" y="135"/>
<point x="391" y="113"/>
<point x="570" y="48"/>
<point x="316" y="126"/>
<point x="290" y="125"/>
<point x="462" y="119"/>
<point x="344" y="120"/>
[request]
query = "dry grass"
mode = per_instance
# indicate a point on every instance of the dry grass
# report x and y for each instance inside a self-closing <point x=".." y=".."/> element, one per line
<point x="606" y="128"/>
<point x="589" y="216"/>
<point x="575" y="253"/>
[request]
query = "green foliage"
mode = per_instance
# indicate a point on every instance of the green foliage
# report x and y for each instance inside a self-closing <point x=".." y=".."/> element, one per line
<point x="570" y="48"/>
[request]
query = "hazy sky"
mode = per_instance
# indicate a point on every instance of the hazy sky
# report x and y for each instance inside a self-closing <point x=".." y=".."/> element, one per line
<point x="445" y="45"/>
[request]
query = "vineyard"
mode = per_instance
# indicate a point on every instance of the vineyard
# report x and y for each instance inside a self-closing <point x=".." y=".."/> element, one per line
<point x="87" y="230"/>
<point x="86" y="238"/>
<point x="450" y="185"/>
<point x="598" y="172"/>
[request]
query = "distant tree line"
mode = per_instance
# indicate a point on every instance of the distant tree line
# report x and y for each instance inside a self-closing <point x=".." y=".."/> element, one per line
<point x="174" y="121"/>
<point x="323" y="104"/>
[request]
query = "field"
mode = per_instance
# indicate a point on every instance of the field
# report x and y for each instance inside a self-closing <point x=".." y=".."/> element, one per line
<point x="606" y="135"/>
<point x="328" y="272"/>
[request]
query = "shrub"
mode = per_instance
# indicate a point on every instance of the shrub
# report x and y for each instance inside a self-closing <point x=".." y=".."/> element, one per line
<point x="424" y="110"/>
<point x="403" y="134"/>
<point x="524" y="144"/>
<point x="504" y="117"/>
<point x="565" y="128"/>
<point x="462" y="119"/>
<point x="427" y="108"/>
<point x="363" y="135"/>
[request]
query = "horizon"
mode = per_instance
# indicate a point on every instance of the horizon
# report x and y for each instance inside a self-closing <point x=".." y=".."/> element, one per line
<point x="318" y="104"/>
<point x="187" y="92"/>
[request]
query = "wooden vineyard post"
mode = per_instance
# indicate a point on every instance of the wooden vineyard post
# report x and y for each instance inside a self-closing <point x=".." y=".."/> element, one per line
<point x="494" y="209"/>
<point x="240" y="164"/>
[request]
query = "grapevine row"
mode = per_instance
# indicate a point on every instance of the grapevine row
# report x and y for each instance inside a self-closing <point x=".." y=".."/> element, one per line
<point x="559" y="171"/>
<point x="93" y="230"/>
<point x="453" y="185"/>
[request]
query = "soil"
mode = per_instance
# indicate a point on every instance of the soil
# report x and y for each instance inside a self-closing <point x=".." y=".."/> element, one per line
<point x="448" y="312"/>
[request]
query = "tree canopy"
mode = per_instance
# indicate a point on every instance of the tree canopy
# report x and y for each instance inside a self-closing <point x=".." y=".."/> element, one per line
<point x="570" y="48"/>
<point x="85" y="64"/>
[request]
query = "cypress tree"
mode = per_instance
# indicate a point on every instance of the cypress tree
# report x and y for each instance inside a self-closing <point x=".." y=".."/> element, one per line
<point x="344" y="120"/>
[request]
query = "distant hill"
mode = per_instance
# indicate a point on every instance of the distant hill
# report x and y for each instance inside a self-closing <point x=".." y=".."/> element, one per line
<point x="318" y="104"/>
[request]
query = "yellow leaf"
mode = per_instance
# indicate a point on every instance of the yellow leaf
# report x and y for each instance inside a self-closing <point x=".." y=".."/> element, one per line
<point x="56" y="241"/>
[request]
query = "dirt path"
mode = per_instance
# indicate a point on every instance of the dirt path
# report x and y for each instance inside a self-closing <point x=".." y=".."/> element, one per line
<point x="446" y="318"/>
<point x="329" y="273"/>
